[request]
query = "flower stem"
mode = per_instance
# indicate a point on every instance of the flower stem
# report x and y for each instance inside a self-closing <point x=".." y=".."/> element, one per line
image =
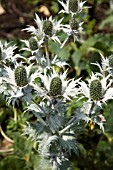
<point x="41" y="120"/>
<point x="91" y="109"/>
<point x="47" y="52"/>
<point x="60" y="49"/>
<point x="66" y="128"/>
<point x="5" y="136"/>
<point x="15" y="114"/>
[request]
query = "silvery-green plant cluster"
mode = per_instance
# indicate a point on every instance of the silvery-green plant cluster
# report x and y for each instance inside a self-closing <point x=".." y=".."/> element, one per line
<point x="46" y="78"/>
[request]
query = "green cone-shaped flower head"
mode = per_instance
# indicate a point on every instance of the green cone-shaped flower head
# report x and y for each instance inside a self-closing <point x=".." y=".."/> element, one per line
<point x="95" y="90"/>
<point x="55" y="86"/>
<point x="110" y="58"/>
<point x="48" y="27"/>
<point x="73" y="6"/>
<point x="73" y="24"/>
<point x="33" y="43"/>
<point x="21" y="76"/>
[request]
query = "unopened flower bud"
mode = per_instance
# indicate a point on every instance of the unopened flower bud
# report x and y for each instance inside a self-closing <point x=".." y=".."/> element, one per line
<point x="110" y="58"/>
<point x="73" y="6"/>
<point x="95" y="90"/>
<point x="55" y="86"/>
<point x="48" y="27"/>
<point x="20" y="76"/>
<point x="33" y="44"/>
<point x="74" y="24"/>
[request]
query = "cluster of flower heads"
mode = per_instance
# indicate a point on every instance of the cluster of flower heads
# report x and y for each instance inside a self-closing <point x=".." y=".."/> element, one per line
<point x="73" y="8"/>
<point x="54" y="85"/>
<point x="19" y="81"/>
<point x="47" y="29"/>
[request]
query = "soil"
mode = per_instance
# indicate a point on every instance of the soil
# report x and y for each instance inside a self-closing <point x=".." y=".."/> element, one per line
<point x="17" y="15"/>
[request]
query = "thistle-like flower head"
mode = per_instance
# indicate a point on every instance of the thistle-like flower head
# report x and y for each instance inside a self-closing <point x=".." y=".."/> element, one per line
<point x="72" y="6"/>
<point x="33" y="43"/>
<point x="98" y="89"/>
<point x="56" y="84"/>
<point x="46" y="28"/>
<point x="19" y="83"/>
<point x="95" y="90"/>
<point x="21" y="76"/>
<point x="74" y="28"/>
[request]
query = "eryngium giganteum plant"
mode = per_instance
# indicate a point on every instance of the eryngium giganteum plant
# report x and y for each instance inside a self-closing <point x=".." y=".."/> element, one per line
<point x="41" y="82"/>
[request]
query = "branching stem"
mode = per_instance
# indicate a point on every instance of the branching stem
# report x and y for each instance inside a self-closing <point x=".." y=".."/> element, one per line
<point x="66" y="128"/>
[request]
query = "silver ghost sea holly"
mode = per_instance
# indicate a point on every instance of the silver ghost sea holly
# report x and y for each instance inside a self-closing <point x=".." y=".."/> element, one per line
<point x="21" y="76"/>
<point x="42" y="83"/>
<point x="48" y="27"/>
<point x="95" y="90"/>
<point x="55" y="86"/>
<point x="73" y="5"/>
<point x="33" y="43"/>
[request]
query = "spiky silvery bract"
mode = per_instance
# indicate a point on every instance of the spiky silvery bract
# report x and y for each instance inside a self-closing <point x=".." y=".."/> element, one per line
<point x="73" y="6"/>
<point x="20" y="76"/>
<point x="55" y="86"/>
<point x="48" y="27"/>
<point x="73" y="23"/>
<point x="33" y="43"/>
<point x="95" y="90"/>
<point x="110" y="58"/>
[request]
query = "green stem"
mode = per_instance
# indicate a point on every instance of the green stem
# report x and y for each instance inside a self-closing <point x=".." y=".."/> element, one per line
<point x="47" y="52"/>
<point x="66" y="128"/>
<point x="5" y="136"/>
<point x="15" y="114"/>
<point x="91" y="109"/>
<point x="41" y="120"/>
<point x="60" y="49"/>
